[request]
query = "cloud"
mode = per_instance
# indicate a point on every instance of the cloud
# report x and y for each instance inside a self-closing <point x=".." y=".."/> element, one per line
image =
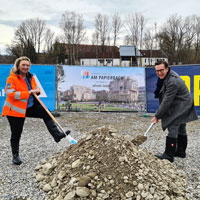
<point x="11" y="23"/>
<point x="6" y="36"/>
<point x="13" y="12"/>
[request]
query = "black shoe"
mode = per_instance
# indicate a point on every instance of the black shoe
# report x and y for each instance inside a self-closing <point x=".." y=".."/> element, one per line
<point x="165" y="156"/>
<point x="59" y="136"/>
<point x="67" y="132"/>
<point x="53" y="130"/>
<point x="180" y="154"/>
<point x="16" y="160"/>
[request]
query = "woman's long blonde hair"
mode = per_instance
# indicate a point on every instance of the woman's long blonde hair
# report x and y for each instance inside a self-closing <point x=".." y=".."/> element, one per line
<point x="17" y="62"/>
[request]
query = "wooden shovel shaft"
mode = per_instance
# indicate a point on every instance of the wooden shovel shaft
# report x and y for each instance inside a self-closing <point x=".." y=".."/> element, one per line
<point x="73" y="141"/>
<point x="52" y="117"/>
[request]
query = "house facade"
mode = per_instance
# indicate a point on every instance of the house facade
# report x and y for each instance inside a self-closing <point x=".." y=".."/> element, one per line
<point x="126" y="55"/>
<point x="93" y="55"/>
<point x="150" y="57"/>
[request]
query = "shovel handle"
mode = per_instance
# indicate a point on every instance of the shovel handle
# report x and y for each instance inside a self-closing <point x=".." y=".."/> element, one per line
<point x="38" y="99"/>
<point x="70" y="139"/>
<point x="49" y="113"/>
<point x="151" y="125"/>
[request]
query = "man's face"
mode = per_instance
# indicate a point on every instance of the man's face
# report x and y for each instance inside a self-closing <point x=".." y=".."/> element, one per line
<point x="161" y="71"/>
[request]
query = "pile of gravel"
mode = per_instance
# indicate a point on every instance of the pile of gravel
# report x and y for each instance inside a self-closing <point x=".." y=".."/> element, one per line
<point x="104" y="165"/>
<point x="37" y="147"/>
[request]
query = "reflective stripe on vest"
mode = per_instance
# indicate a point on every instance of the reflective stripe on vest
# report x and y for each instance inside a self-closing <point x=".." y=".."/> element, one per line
<point x="8" y="91"/>
<point x="15" y="108"/>
<point x="23" y="100"/>
<point x="7" y="104"/>
<point x="19" y="110"/>
<point x="17" y="95"/>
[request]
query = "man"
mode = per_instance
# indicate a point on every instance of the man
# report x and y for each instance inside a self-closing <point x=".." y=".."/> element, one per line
<point x="175" y="110"/>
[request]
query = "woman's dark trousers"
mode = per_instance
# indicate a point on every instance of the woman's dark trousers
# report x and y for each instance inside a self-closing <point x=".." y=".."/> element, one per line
<point x="16" y="125"/>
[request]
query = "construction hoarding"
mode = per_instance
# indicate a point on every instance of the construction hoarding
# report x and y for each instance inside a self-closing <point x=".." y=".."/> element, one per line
<point x="104" y="88"/>
<point x="189" y="73"/>
<point x="45" y="78"/>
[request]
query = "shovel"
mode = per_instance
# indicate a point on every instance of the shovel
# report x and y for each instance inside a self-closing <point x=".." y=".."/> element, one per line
<point x="140" y="139"/>
<point x="69" y="138"/>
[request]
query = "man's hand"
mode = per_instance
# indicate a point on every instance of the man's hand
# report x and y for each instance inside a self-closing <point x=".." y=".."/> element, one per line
<point x="154" y="120"/>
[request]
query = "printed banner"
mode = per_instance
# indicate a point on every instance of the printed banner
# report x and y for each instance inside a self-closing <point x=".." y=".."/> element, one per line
<point x="45" y="78"/>
<point x="190" y="74"/>
<point x="101" y="88"/>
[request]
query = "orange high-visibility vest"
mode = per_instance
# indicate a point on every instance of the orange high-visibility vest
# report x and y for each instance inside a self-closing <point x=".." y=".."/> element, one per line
<point x="17" y="95"/>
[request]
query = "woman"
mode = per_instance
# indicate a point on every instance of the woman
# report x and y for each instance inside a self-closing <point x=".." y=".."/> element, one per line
<point x="20" y="103"/>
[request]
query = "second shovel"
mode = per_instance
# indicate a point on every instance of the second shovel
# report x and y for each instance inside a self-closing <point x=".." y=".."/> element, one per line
<point x="140" y="139"/>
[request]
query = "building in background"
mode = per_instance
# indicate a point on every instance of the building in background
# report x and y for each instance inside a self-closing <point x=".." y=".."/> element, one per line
<point x="150" y="57"/>
<point x="125" y="56"/>
<point x="129" y="56"/>
<point x="93" y="55"/>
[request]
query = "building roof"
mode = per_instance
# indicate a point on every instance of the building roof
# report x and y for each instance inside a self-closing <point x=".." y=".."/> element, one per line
<point x="153" y="53"/>
<point x="87" y="51"/>
<point x="94" y="51"/>
<point x="129" y="50"/>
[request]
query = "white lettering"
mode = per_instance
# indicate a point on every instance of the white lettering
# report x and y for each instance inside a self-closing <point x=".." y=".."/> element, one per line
<point x="2" y="93"/>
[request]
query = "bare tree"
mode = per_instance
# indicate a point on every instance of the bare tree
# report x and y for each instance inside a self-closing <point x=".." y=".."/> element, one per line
<point x="48" y="40"/>
<point x="135" y="26"/>
<point x="102" y="27"/>
<point x="32" y="30"/>
<point x="197" y="40"/>
<point x="102" y="30"/>
<point x="179" y="38"/>
<point x="95" y="41"/>
<point x="73" y="27"/>
<point x="116" y="30"/>
<point x="40" y="31"/>
<point x="190" y="27"/>
<point x="127" y="40"/>
<point x="149" y="39"/>
<point x="171" y="37"/>
<point x="95" y="38"/>
<point x="149" y="43"/>
<point x="116" y="27"/>
<point x="155" y="34"/>
<point x="28" y="38"/>
<point x="142" y="23"/>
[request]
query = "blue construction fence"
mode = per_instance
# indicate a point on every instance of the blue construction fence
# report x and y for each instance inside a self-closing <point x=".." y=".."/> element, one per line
<point x="123" y="88"/>
<point x="45" y="77"/>
<point x="189" y="73"/>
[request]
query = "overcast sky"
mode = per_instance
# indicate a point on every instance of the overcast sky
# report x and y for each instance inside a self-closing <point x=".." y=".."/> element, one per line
<point x="13" y="12"/>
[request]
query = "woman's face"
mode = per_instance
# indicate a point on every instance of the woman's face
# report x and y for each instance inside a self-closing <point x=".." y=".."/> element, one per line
<point x="24" y="67"/>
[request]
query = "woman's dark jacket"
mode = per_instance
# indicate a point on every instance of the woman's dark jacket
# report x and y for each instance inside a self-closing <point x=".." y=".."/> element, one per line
<point x="176" y="103"/>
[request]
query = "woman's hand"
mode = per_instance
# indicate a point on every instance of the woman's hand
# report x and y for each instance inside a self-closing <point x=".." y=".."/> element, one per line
<point x="154" y="120"/>
<point x="34" y="91"/>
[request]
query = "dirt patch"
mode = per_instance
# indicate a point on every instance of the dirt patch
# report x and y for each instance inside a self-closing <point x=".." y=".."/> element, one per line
<point x="105" y="165"/>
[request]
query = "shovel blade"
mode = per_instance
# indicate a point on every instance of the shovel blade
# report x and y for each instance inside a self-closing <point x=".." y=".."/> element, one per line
<point x="140" y="139"/>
